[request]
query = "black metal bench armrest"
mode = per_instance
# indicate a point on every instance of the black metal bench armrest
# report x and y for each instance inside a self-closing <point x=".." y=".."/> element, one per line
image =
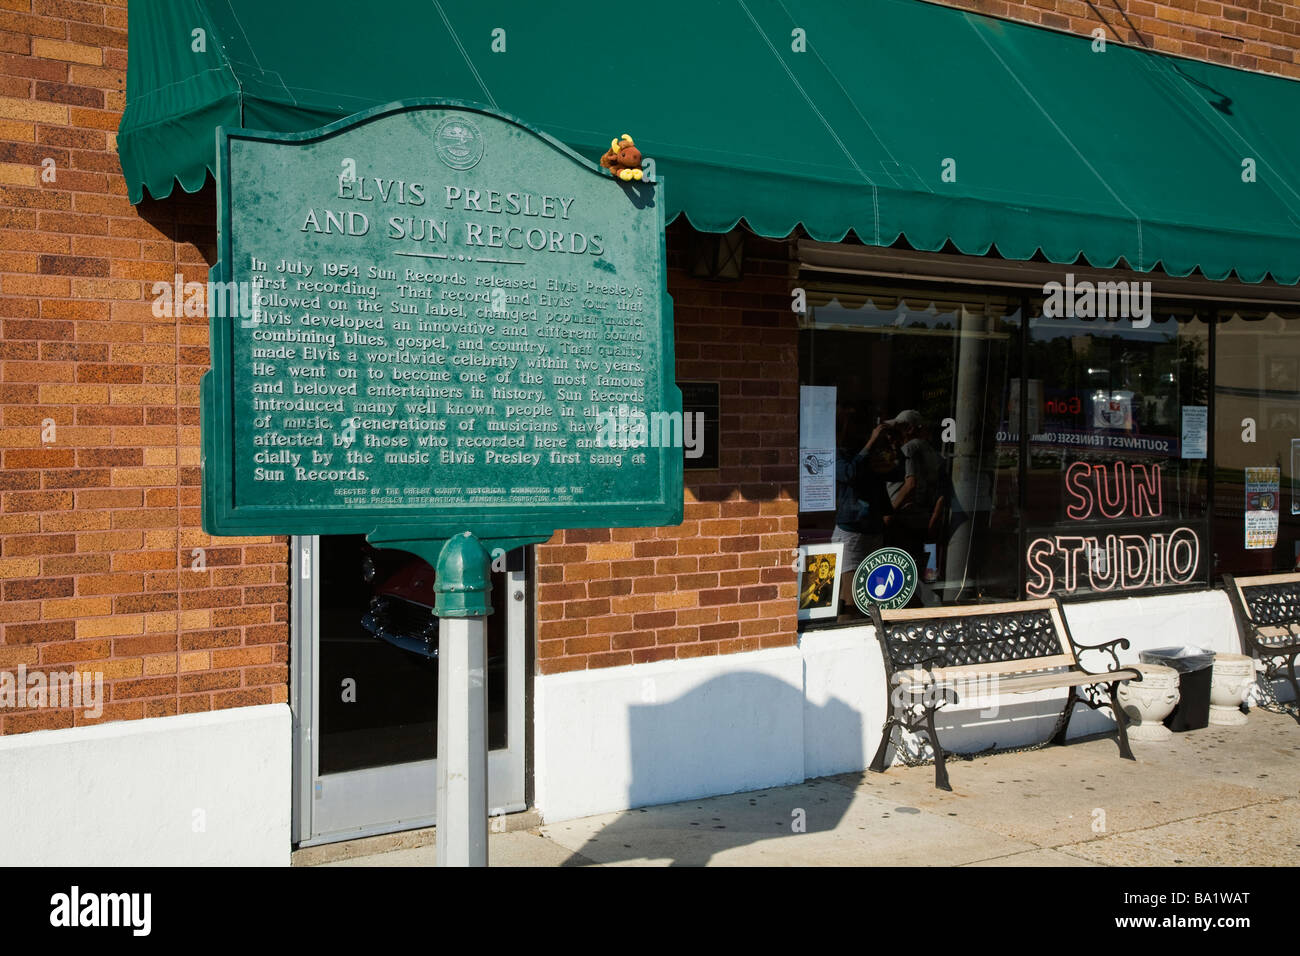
<point x="1109" y="647"/>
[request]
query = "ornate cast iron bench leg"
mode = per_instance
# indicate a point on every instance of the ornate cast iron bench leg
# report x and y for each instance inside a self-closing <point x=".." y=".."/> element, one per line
<point x="1063" y="722"/>
<point x="1264" y="678"/>
<point x="878" y="764"/>
<point x="940" y="769"/>
<point x="1097" y="696"/>
<point x="911" y="718"/>
<point x="1121" y="722"/>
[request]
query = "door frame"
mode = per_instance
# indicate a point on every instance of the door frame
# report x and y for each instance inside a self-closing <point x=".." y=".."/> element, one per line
<point x="375" y="800"/>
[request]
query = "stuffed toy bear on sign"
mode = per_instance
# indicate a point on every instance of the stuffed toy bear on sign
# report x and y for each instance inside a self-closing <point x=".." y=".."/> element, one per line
<point x="623" y="159"/>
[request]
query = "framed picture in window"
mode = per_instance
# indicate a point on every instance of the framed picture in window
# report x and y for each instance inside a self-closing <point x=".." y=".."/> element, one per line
<point x="1295" y="489"/>
<point x="1282" y="373"/>
<point x="819" y="580"/>
<point x="1282" y="417"/>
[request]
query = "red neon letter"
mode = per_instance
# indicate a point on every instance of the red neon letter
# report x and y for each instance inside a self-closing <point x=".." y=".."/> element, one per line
<point x="1111" y="507"/>
<point x="1182" y="554"/>
<point x="1099" y="580"/>
<point x="1070" y="546"/>
<point x="1036" y="560"/>
<point x="1076" y="485"/>
<point x="1146" y="487"/>
<point x="1136" y="564"/>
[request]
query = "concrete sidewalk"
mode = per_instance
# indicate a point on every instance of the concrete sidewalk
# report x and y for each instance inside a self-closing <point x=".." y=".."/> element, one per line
<point x="1222" y="796"/>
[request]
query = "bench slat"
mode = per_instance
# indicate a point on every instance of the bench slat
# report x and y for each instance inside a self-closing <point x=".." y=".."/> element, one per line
<point x="1019" y="684"/>
<point x="1274" y="635"/>
<point x="1019" y="665"/>
<point x="968" y="610"/>
<point x="1267" y="579"/>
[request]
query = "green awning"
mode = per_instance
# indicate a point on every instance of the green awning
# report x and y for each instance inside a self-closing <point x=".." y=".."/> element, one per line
<point x="1115" y="157"/>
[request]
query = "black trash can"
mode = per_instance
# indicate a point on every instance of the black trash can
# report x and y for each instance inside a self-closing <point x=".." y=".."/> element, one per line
<point x="1195" y="666"/>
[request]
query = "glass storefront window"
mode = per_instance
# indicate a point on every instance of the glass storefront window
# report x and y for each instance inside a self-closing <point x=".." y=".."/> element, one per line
<point x="1257" y="441"/>
<point x="1107" y="490"/>
<point x="1116" y="483"/>
<point x="378" y="658"/>
<point x="926" y="457"/>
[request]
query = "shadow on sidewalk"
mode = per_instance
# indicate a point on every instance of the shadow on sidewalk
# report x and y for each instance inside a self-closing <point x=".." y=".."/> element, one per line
<point x="753" y="754"/>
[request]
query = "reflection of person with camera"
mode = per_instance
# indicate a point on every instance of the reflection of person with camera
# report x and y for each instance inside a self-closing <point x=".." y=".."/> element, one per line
<point x="913" y="486"/>
<point x="862" y="501"/>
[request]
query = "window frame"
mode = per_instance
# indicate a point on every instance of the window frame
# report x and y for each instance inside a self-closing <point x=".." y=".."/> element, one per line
<point x="1212" y="307"/>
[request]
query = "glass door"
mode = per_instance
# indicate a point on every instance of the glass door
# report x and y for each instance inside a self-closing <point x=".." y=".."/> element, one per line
<point x="365" y="700"/>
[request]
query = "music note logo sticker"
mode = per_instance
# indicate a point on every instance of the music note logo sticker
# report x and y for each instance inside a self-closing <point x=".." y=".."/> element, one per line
<point x="886" y="578"/>
<point x="884" y="585"/>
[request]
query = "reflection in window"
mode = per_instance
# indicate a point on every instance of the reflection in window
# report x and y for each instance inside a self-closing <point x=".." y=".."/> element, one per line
<point x="1121" y="422"/>
<point x="927" y="452"/>
<point x="1116" y="478"/>
<point x="377" y="658"/>
<point x="1257" y="442"/>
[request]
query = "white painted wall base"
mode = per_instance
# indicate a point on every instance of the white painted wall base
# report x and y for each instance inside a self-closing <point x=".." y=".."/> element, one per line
<point x="624" y="737"/>
<point x="134" y="793"/>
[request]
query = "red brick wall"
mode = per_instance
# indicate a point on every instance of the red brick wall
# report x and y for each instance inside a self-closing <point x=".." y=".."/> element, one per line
<point x="723" y="581"/>
<point x="98" y="526"/>
<point x="1259" y="35"/>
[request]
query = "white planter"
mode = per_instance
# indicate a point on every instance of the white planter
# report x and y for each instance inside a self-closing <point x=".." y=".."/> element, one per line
<point x="1233" y="677"/>
<point x="1150" y="701"/>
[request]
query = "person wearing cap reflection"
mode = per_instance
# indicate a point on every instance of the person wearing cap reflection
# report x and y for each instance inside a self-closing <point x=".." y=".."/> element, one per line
<point x="914" y="487"/>
<point x="861" y="468"/>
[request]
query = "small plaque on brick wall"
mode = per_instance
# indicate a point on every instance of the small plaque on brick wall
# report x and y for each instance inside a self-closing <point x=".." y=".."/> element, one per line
<point x="702" y="398"/>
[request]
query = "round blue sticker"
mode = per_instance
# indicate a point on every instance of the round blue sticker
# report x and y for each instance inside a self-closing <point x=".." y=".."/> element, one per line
<point x="885" y="582"/>
<point x="885" y="578"/>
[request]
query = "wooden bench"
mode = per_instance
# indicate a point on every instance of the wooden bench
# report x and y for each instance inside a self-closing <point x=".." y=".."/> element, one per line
<point x="931" y="654"/>
<point x="1267" y="609"/>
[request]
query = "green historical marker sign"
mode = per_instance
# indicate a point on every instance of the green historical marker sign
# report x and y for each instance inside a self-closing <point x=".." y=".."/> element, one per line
<point x="448" y="321"/>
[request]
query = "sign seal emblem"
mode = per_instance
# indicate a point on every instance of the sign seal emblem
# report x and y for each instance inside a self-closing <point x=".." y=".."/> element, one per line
<point x="886" y="578"/>
<point x="458" y="142"/>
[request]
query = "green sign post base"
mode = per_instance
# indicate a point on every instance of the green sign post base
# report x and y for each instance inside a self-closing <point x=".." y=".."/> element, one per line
<point x="464" y="584"/>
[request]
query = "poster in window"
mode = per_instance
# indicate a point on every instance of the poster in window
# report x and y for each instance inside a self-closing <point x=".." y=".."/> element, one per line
<point x="817" y="448"/>
<point x="1035" y="406"/>
<point x="1196" y="421"/>
<point x="816" y="479"/>
<point x="819" y="581"/>
<point x="1262" y="506"/>
<point x="930" y="573"/>
<point x="1112" y="409"/>
<point x="1295" y="470"/>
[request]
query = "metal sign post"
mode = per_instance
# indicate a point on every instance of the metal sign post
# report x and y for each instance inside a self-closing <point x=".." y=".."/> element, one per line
<point x="463" y="604"/>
